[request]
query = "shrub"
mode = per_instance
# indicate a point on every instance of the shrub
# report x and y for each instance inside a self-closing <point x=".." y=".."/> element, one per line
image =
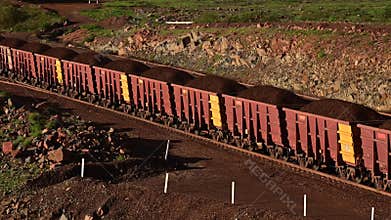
<point x="10" y="15"/>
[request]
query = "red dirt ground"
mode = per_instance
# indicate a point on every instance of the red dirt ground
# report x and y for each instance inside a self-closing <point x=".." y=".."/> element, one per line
<point x="197" y="193"/>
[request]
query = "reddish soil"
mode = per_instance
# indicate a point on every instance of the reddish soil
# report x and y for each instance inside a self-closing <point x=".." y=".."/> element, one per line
<point x="343" y="110"/>
<point x="71" y="10"/>
<point x="91" y="58"/>
<point x="198" y="193"/>
<point x="61" y="53"/>
<point x="114" y="22"/>
<point x="272" y="95"/>
<point x="216" y="84"/>
<point x="127" y="66"/>
<point x="168" y="75"/>
<point x="35" y="47"/>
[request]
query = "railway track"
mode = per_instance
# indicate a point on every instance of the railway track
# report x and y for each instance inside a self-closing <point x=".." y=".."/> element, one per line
<point x="201" y="139"/>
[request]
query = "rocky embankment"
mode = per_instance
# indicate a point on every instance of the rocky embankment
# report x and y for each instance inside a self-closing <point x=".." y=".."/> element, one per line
<point x="345" y="61"/>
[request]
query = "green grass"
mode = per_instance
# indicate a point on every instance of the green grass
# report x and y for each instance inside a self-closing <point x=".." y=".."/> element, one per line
<point x="26" y="18"/>
<point x="16" y="176"/>
<point x="205" y="11"/>
<point x="107" y="12"/>
<point x="95" y="30"/>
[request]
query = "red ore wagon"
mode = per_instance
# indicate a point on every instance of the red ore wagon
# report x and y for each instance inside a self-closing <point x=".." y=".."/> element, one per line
<point x="78" y="78"/>
<point x="113" y="84"/>
<point x="325" y="132"/>
<point x="152" y="92"/>
<point x="24" y="60"/>
<point x="376" y="145"/>
<point x="24" y="64"/>
<point x="316" y="138"/>
<point x="78" y="74"/>
<point x="255" y="117"/>
<point x="195" y="107"/>
<point x="6" y="60"/>
<point x="253" y="122"/>
<point x="109" y="87"/>
<point x="200" y="103"/>
<point x="152" y="96"/>
<point x="49" y="66"/>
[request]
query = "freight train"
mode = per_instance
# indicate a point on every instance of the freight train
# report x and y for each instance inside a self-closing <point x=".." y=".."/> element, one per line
<point x="347" y="139"/>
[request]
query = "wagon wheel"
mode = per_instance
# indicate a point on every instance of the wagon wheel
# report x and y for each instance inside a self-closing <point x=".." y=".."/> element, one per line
<point x="359" y="178"/>
<point x="272" y="152"/>
<point x="106" y="103"/>
<point x="342" y="173"/>
<point x="91" y="99"/>
<point x="302" y="162"/>
<point x="316" y="165"/>
<point x="127" y="109"/>
<point x="226" y="140"/>
<point x="244" y="145"/>
<point x="379" y="184"/>
<point x="237" y="142"/>
<point x="166" y="122"/>
<point x="387" y="186"/>
<point x="196" y="132"/>
<point x="279" y="153"/>
<point x="251" y="147"/>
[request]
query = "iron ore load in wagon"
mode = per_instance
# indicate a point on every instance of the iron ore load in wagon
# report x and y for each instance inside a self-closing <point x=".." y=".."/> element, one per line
<point x="127" y="66"/>
<point x="343" y="110"/>
<point x="35" y="47"/>
<point x="60" y="52"/>
<point x="168" y="75"/>
<point x="92" y="59"/>
<point x="386" y="125"/>
<point x="12" y="42"/>
<point x="216" y="84"/>
<point x="273" y="95"/>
